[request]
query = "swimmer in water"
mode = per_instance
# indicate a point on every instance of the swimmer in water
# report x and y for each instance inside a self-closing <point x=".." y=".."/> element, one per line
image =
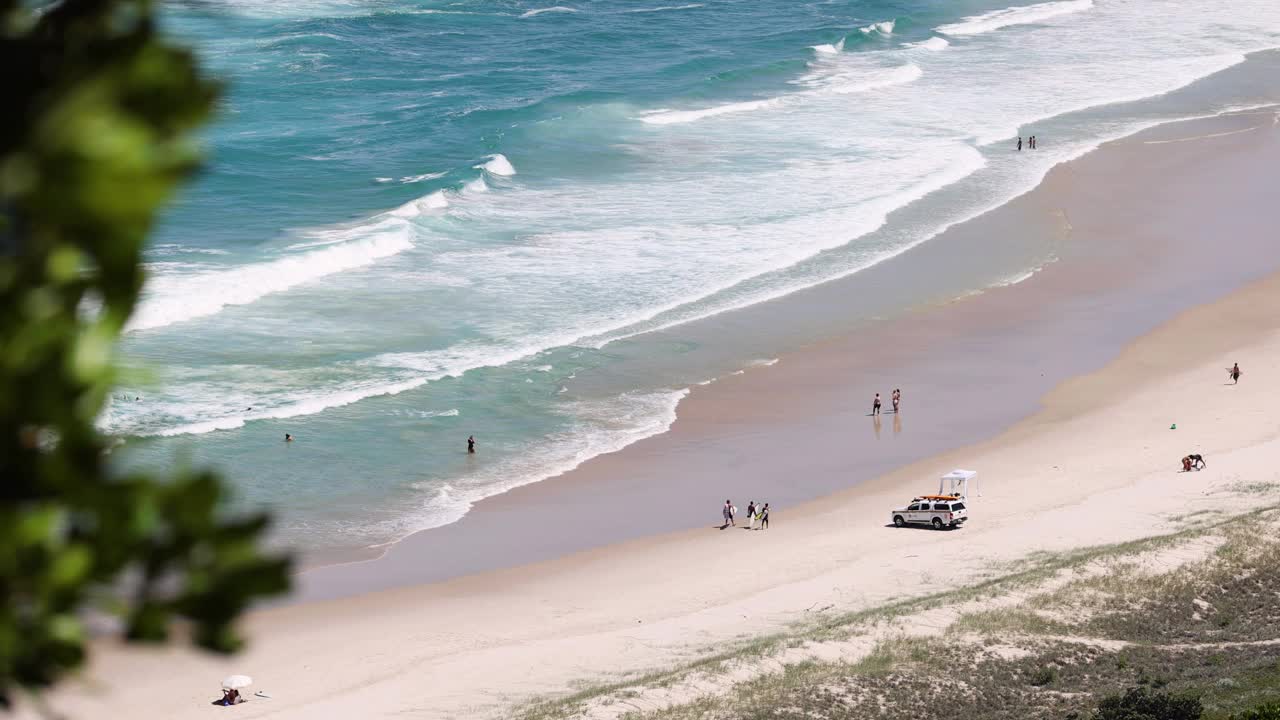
<point x="288" y="437"/>
<point x="471" y="444"/>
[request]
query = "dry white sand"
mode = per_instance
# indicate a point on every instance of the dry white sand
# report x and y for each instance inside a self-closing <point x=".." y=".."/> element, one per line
<point x="1098" y="464"/>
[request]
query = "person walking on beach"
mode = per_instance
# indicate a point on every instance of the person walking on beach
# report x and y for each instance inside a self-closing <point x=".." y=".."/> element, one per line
<point x="1019" y="143"/>
<point x="875" y="406"/>
<point x="751" y="514"/>
<point x="1234" y="373"/>
<point x="764" y="517"/>
<point x="471" y="444"/>
<point x="728" y="513"/>
<point x="897" y="398"/>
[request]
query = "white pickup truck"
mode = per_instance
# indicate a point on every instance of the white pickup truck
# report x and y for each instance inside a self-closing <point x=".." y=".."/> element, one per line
<point x="940" y="511"/>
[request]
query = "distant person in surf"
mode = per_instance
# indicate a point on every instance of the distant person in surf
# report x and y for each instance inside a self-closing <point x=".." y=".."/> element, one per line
<point x="1019" y="143"/>
<point x="1031" y="143"/>
<point x="288" y="437"/>
<point x="1234" y="373"/>
<point x="897" y="398"/>
<point x="471" y="444"/>
<point x="875" y="406"/>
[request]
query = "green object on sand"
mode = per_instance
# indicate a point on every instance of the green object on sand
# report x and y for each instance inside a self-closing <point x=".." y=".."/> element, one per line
<point x="1173" y="426"/>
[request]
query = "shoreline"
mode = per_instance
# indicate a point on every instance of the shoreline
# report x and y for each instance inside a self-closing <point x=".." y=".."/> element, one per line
<point x="1097" y="434"/>
<point x="1000" y="313"/>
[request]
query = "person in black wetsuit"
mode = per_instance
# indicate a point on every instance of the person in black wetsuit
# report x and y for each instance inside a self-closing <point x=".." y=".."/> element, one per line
<point x="471" y="444"/>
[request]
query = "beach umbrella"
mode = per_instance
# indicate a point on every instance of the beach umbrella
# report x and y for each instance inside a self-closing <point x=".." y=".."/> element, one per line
<point x="237" y="682"/>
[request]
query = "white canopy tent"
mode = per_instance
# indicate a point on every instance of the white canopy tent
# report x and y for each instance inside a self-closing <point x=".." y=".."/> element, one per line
<point x="958" y="478"/>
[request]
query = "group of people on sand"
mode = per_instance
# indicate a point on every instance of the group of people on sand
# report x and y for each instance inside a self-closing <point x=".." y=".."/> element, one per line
<point x="1031" y="143"/>
<point x="895" y="397"/>
<point x="757" y="516"/>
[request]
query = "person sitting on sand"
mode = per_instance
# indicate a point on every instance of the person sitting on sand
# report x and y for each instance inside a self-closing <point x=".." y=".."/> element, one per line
<point x="1186" y="464"/>
<point x="231" y="696"/>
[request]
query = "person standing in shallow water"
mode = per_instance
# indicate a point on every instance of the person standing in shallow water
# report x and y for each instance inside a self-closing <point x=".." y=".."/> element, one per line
<point x="875" y="406"/>
<point x="897" y="398"/>
<point x="471" y="444"/>
<point x="1019" y="143"/>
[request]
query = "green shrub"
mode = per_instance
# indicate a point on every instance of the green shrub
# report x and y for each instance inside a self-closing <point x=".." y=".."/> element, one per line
<point x="1142" y="704"/>
<point x="1268" y="711"/>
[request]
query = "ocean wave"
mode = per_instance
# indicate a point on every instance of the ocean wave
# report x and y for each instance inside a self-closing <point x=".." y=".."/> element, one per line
<point x="934" y="43"/>
<point x="556" y="9"/>
<point x="883" y="28"/>
<point x="295" y="408"/>
<point x="602" y="427"/>
<point x="170" y="299"/>
<point x="665" y="8"/>
<point x="1021" y="15"/>
<point x="827" y="79"/>
<point x="673" y="117"/>
<point x="829" y="49"/>
<point x="427" y="203"/>
<point x="499" y="165"/>
<point x="176" y="249"/>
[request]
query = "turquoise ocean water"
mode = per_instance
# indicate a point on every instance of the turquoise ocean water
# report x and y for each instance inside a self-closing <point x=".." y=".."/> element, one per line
<point x="426" y="220"/>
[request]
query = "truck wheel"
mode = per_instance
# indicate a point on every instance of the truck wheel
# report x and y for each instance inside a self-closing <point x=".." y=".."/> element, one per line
<point x="937" y="523"/>
<point x="898" y="521"/>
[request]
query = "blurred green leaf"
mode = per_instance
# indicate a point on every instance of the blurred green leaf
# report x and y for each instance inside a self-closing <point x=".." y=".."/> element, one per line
<point x="95" y="135"/>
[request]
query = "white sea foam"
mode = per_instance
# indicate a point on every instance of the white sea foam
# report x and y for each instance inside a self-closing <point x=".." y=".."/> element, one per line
<point x="383" y="179"/>
<point x="475" y="187"/>
<point x="498" y="165"/>
<point x="556" y="9"/>
<point x="665" y="8"/>
<point x="1022" y="15"/>
<point x="845" y="83"/>
<point x="411" y="179"/>
<point x="883" y="28"/>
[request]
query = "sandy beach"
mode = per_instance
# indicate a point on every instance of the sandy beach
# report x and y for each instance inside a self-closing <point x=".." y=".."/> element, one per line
<point x="618" y="568"/>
